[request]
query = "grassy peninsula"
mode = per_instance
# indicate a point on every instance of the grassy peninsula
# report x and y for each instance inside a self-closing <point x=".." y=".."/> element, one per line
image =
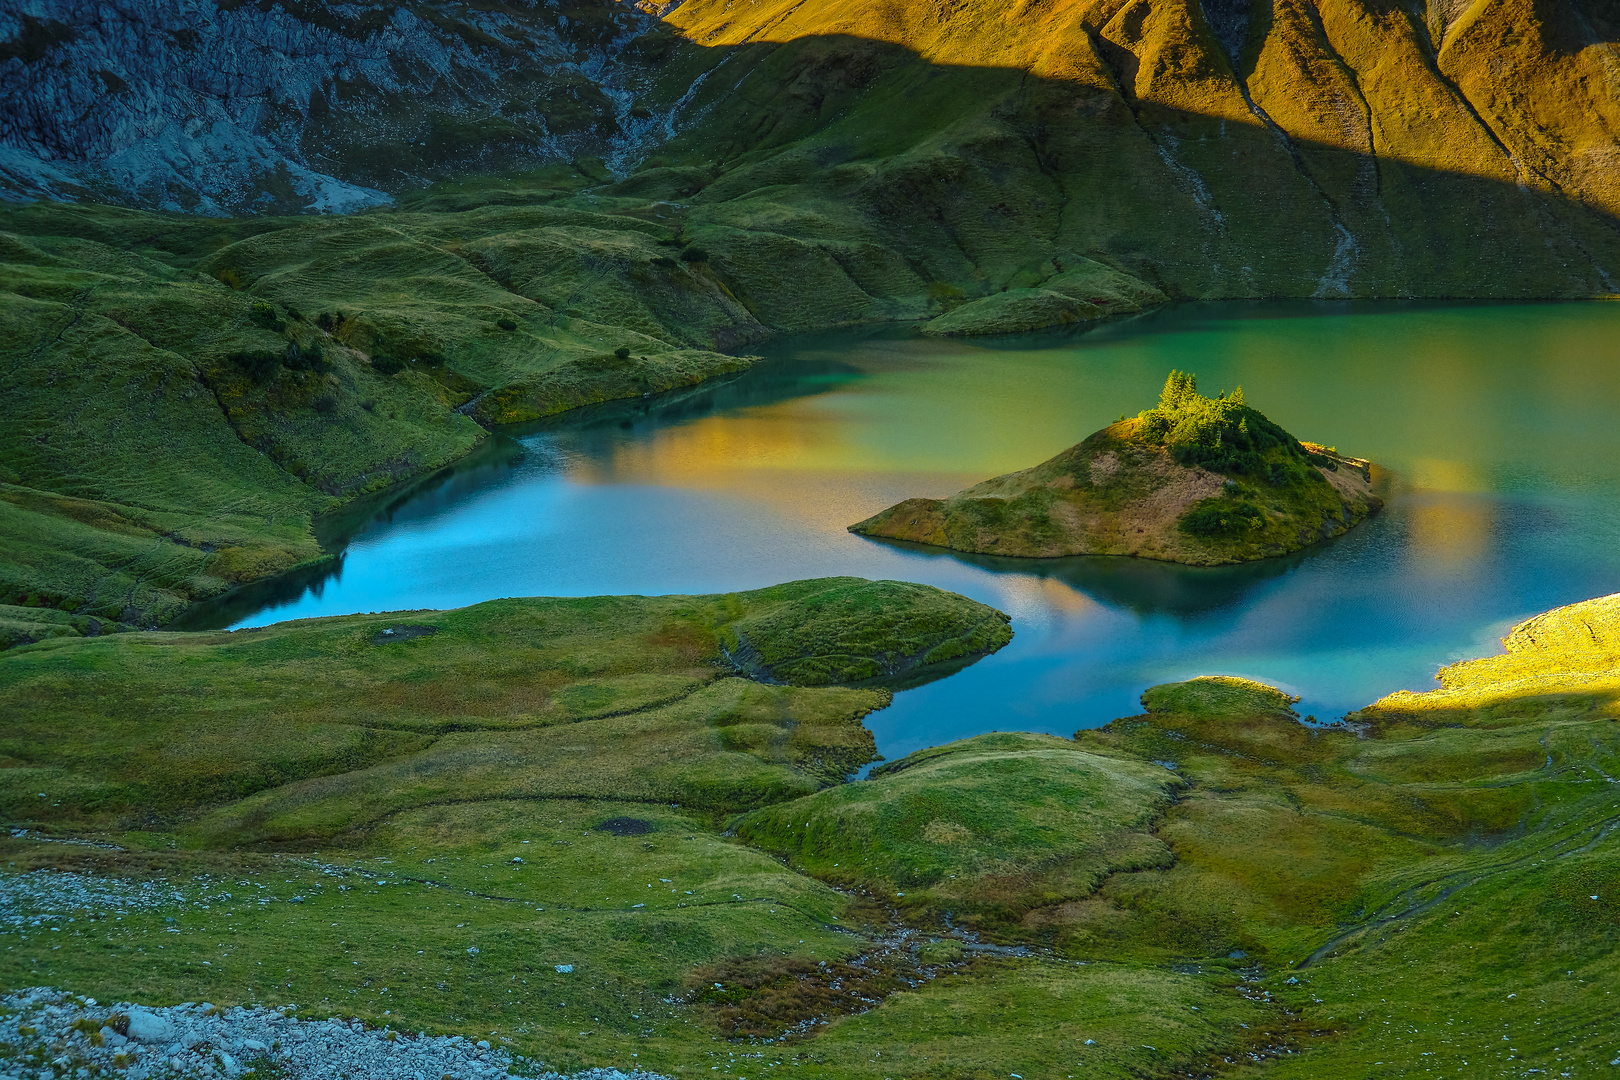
<point x="302" y="731"/>
<point x="1196" y="480"/>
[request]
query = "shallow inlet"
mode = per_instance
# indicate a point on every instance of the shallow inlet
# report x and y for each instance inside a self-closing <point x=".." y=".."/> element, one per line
<point x="1495" y="425"/>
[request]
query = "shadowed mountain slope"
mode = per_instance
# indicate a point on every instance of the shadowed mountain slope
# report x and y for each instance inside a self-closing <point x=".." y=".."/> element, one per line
<point x="243" y="108"/>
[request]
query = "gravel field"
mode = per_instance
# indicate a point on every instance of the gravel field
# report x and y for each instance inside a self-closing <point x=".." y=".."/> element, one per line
<point x="52" y="1034"/>
<point x="48" y="896"/>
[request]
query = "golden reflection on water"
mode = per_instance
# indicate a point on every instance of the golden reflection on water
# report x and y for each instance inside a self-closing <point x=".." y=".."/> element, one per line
<point x="707" y="452"/>
<point x="1436" y="474"/>
<point x="803" y="471"/>
<point x="1449" y="534"/>
<point x="1061" y="596"/>
<point x="805" y="458"/>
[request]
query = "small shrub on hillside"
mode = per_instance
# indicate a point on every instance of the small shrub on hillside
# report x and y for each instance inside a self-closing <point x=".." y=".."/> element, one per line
<point x="305" y="358"/>
<point x="1222" y="518"/>
<point x="387" y="365"/>
<point x="506" y="324"/>
<point x="264" y="313"/>
<point x="694" y="255"/>
<point x="622" y="352"/>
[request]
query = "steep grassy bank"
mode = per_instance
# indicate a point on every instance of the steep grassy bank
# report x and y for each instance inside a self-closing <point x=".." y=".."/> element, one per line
<point x="185" y="396"/>
<point x="1213" y="885"/>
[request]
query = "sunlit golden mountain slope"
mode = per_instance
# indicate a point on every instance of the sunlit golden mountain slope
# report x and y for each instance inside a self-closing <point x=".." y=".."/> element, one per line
<point x="1336" y="147"/>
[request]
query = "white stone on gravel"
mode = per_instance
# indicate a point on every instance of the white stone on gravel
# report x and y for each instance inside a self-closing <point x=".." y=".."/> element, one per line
<point x="148" y="1027"/>
<point x="202" y="1040"/>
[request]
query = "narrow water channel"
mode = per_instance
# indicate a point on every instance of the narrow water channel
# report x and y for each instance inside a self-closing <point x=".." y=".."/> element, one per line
<point x="1495" y="426"/>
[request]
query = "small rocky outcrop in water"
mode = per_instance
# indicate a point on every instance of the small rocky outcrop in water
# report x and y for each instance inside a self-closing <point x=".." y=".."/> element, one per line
<point x="1197" y="480"/>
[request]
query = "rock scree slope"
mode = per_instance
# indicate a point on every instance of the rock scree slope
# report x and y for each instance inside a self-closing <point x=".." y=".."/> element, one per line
<point x="1196" y="480"/>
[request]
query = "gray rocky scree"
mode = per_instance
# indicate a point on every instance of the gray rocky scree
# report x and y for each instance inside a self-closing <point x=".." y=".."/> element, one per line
<point x="48" y="1029"/>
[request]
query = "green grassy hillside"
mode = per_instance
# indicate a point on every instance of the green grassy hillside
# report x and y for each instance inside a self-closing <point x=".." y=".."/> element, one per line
<point x="184" y="396"/>
<point x="417" y="828"/>
<point x="314" y="728"/>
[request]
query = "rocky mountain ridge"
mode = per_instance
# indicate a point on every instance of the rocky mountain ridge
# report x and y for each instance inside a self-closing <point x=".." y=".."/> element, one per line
<point x="232" y="107"/>
<point x="1221" y="148"/>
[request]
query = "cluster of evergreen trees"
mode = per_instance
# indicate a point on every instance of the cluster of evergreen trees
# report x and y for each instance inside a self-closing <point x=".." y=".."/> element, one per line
<point x="1222" y="433"/>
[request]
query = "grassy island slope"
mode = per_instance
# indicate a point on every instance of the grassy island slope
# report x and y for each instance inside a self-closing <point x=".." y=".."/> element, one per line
<point x="1197" y="480"/>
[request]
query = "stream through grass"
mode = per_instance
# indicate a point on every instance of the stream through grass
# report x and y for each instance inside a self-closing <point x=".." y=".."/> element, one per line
<point x="1492" y="424"/>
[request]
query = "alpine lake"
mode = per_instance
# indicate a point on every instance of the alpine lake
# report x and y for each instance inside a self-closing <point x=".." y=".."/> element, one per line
<point x="1490" y="427"/>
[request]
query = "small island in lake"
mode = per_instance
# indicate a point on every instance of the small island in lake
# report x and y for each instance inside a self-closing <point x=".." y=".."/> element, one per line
<point x="1197" y="480"/>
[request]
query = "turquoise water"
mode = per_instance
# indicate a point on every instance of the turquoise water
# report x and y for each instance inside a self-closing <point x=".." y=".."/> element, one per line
<point x="1494" y="425"/>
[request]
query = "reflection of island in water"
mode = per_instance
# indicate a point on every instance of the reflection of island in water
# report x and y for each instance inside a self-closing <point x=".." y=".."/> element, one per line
<point x="490" y="465"/>
<point x="1142" y="586"/>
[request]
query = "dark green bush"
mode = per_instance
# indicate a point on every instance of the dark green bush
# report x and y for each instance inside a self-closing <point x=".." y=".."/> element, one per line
<point x="694" y="255"/>
<point x="506" y="324"/>
<point x="387" y="365"/>
<point x="264" y="313"/>
<point x="622" y="352"/>
<point x="1222" y="518"/>
<point x="260" y="364"/>
<point x="305" y="358"/>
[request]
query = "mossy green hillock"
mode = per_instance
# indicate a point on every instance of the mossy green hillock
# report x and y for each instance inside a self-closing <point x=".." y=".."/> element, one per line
<point x="1083" y="291"/>
<point x="1197" y="480"/>
<point x="984" y="830"/>
<point x="852" y="635"/>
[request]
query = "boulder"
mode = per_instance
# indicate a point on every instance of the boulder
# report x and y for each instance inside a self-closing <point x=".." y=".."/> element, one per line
<point x="149" y="1027"/>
